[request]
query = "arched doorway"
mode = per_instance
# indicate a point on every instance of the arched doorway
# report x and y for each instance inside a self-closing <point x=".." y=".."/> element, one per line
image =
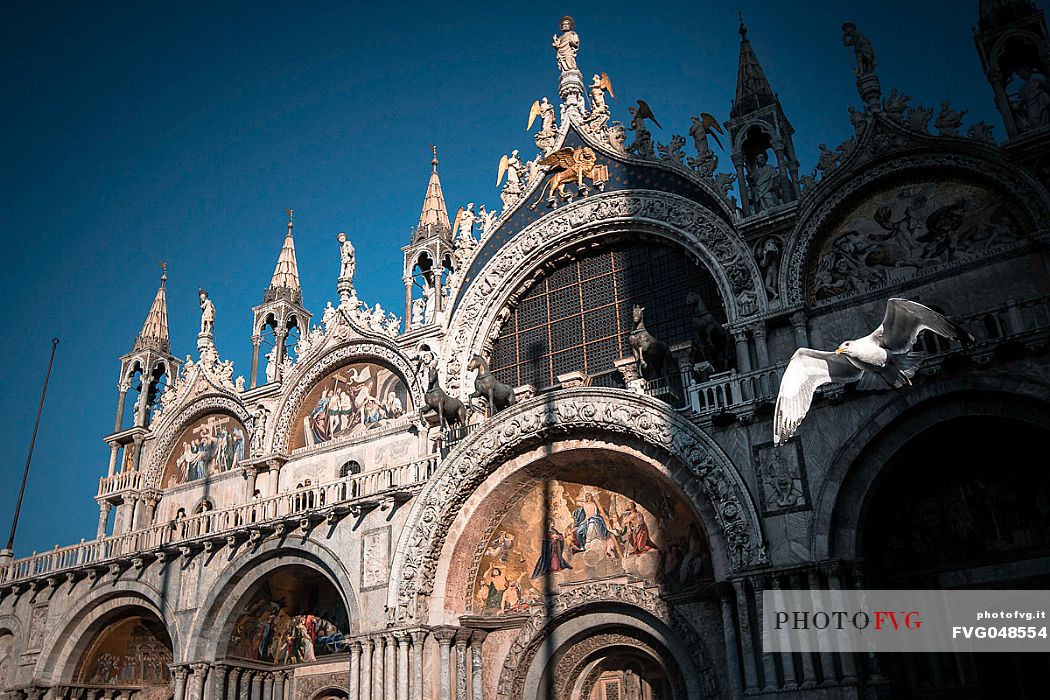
<point x="963" y="504"/>
<point x="130" y="651"/>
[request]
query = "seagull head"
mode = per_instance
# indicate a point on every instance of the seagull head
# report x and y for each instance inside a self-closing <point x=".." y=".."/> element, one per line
<point x="844" y="349"/>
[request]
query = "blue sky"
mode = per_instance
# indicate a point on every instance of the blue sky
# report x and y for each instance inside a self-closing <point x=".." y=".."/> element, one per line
<point x="139" y="132"/>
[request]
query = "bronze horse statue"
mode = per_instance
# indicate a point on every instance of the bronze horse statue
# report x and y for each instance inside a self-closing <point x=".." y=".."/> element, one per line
<point x="710" y="341"/>
<point x="648" y="352"/>
<point x="450" y="410"/>
<point x="498" y="394"/>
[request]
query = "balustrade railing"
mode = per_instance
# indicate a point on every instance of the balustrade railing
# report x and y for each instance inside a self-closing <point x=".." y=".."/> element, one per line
<point x="124" y="481"/>
<point x="302" y="501"/>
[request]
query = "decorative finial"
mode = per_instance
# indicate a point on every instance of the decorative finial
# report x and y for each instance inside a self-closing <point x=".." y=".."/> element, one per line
<point x="435" y="161"/>
<point x="163" y="272"/>
<point x="743" y="27"/>
<point x="290" y="213"/>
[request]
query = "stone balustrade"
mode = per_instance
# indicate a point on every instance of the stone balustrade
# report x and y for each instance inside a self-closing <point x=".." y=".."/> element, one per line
<point x="302" y="507"/>
<point x="124" y="481"/>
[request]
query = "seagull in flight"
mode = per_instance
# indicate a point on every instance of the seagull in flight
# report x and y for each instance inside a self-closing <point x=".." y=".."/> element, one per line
<point x="880" y="360"/>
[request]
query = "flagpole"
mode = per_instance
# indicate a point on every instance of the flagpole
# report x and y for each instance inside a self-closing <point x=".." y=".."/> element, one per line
<point x="32" y="443"/>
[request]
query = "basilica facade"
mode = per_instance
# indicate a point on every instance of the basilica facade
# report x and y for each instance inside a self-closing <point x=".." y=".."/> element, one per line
<point x="554" y="475"/>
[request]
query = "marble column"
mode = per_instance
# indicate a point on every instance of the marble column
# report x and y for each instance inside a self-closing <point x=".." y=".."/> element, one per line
<point x="137" y="462"/>
<point x="825" y="663"/>
<point x="200" y="674"/>
<point x="747" y="647"/>
<point x="181" y="673"/>
<point x="275" y="477"/>
<point x="257" y="681"/>
<point x="770" y="683"/>
<point x="444" y="637"/>
<point x="355" y="671"/>
<point x="462" y="667"/>
<point x="253" y="380"/>
<point x="280" y="682"/>
<point x="849" y="665"/>
<point x="366" y="668"/>
<point x="729" y="633"/>
<point x="741" y="184"/>
<point x="798" y="327"/>
<point x="246" y="684"/>
<point x="743" y="352"/>
<point x="809" y="673"/>
<point x="419" y="638"/>
<point x="402" y="665"/>
<point x="267" y="689"/>
<point x="477" y="639"/>
<point x="379" y="670"/>
<point x="761" y="347"/>
<point x="787" y="660"/>
<point x="875" y="672"/>
<point x="390" y="665"/>
<point x="103" y="515"/>
<point x="231" y="684"/>
<point x="122" y="397"/>
<point x="114" y="449"/>
<point x="249" y="487"/>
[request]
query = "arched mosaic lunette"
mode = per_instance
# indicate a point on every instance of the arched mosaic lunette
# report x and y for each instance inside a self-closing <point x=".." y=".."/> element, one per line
<point x="563" y="412"/>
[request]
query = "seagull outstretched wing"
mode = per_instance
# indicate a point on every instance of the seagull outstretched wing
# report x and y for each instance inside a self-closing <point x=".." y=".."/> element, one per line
<point x="807" y="370"/>
<point x="905" y="319"/>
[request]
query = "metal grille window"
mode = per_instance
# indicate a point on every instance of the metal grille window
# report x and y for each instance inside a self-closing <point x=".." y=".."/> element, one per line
<point x="578" y="318"/>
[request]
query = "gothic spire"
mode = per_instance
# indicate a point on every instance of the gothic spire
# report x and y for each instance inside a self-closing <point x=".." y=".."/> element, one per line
<point x="1002" y="12"/>
<point x="433" y="221"/>
<point x="154" y="333"/>
<point x="752" y="88"/>
<point x="285" y="280"/>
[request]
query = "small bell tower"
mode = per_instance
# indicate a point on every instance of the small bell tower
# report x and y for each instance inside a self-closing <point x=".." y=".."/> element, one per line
<point x="281" y="318"/>
<point x="1012" y="42"/>
<point x="428" y="256"/>
<point x="756" y="125"/>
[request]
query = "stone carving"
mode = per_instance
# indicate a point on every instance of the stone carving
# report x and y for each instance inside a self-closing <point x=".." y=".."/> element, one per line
<point x="574" y="662"/>
<point x="764" y="185"/>
<point x="571" y="165"/>
<point x="827" y="161"/>
<point x="257" y="428"/>
<point x="592" y="409"/>
<point x="863" y="51"/>
<point x="919" y="119"/>
<point x="511" y="166"/>
<point x="689" y="224"/>
<point x="768" y="257"/>
<point x="548" y="133"/>
<point x="1031" y="106"/>
<point x="642" y="146"/>
<point x="599" y="110"/>
<point x="782" y="474"/>
<point x="649" y="353"/>
<point x="894" y="106"/>
<point x="207" y="313"/>
<point x="858" y="119"/>
<point x="487" y="220"/>
<point x="497" y="394"/>
<point x="449" y="410"/>
<point x="981" y="131"/>
<point x="566" y="45"/>
<point x="949" y="120"/>
<point x="375" y="558"/>
<point x="672" y="153"/>
<point x="418" y="307"/>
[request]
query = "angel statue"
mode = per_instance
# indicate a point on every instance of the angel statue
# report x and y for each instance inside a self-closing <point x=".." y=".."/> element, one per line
<point x="464" y="222"/>
<point x="643" y="141"/>
<point x="599" y="84"/>
<point x="703" y="126"/>
<point x="566" y="45"/>
<point x="548" y="134"/>
<point x="488" y="220"/>
<point x="514" y="170"/>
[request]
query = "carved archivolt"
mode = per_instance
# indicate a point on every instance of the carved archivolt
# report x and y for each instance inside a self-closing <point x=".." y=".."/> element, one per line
<point x="303" y="378"/>
<point x="173" y="428"/>
<point x="575" y="601"/>
<point x="564" y="412"/>
<point x="669" y="216"/>
<point x="822" y="213"/>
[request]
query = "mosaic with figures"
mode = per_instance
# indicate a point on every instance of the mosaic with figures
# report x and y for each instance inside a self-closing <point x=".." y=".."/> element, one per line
<point x="351" y="401"/>
<point x="135" y="651"/>
<point x="564" y="531"/>
<point x="211" y="445"/>
<point x="911" y="230"/>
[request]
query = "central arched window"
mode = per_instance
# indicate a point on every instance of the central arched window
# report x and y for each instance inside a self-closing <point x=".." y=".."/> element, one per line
<point x="578" y="317"/>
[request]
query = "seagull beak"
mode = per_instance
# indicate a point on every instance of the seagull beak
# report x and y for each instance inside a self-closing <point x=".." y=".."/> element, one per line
<point x="839" y="351"/>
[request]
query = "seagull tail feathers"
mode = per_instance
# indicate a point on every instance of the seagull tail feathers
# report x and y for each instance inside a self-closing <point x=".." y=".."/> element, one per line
<point x="964" y="336"/>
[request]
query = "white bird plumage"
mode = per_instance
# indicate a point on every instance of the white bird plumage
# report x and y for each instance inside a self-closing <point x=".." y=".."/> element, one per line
<point x="879" y="360"/>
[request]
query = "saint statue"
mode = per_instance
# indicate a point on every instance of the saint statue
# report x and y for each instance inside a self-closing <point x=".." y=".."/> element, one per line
<point x="207" y="313"/>
<point x="346" y="257"/>
<point x="862" y="50"/>
<point x="566" y="45"/>
<point x="765" y="184"/>
<point x="1033" y="99"/>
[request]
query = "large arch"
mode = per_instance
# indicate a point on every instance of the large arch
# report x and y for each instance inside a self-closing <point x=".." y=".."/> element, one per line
<point x="859" y="462"/>
<point x="63" y="648"/>
<point x="700" y="469"/>
<point x="677" y="219"/>
<point x="216" y="615"/>
<point x="596" y="614"/>
<point x="305" y="376"/>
